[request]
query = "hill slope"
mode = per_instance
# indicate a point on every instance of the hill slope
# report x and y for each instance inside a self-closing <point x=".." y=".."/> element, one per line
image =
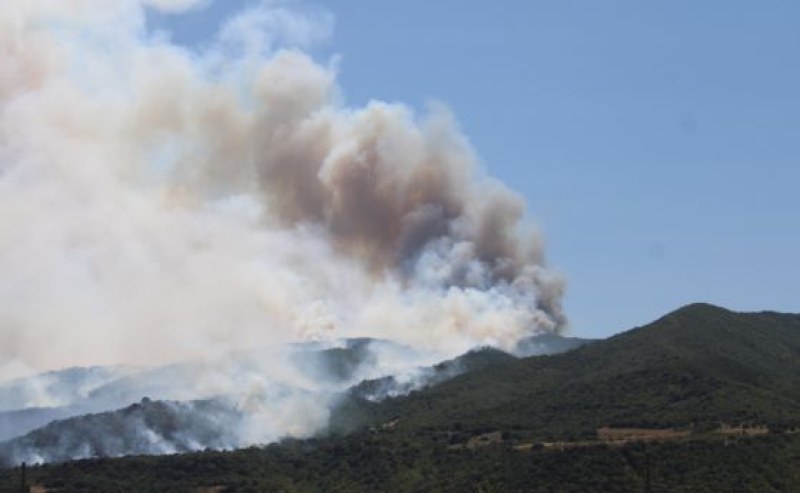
<point x="149" y="427"/>
<point x="166" y="425"/>
<point x="700" y="365"/>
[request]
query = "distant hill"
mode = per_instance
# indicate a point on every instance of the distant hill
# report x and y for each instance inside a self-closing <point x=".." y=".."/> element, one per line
<point x="139" y="428"/>
<point x="31" y="402"/>
<point x="56" y="388"/>
<point x="148" y="427"/>
<point x="20" y="422"/>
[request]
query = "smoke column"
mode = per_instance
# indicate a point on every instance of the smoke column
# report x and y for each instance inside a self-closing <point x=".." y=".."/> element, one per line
<point x="158" y="204"/>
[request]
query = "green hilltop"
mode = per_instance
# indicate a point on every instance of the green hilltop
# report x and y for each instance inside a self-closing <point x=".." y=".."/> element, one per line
<point x="700" y="366"/>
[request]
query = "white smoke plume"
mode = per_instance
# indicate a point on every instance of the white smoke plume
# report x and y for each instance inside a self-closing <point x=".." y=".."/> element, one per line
<point x="159" y="204"/>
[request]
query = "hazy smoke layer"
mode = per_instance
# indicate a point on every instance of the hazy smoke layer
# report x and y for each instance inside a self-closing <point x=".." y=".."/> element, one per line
<point x="158" y="204"/>
<point x="294" y="390"/>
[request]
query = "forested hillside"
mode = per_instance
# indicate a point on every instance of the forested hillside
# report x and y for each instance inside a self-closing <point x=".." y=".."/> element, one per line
<point x="703" y="399"/>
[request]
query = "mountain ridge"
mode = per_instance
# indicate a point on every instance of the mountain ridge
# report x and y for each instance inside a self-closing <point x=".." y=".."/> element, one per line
<point x="59" y="441"/>
<point x="667" y="373"/>
<point x="700" y="369"/>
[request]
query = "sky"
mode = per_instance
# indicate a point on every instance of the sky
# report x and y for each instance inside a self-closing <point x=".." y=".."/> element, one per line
<point x="657" y="144"/>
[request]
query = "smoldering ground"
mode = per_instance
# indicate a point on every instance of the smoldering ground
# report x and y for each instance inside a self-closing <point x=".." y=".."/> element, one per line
<point x="159" y="204"/>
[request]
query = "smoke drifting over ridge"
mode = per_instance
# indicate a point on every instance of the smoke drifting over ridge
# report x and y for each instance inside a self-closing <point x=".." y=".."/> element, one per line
<point x="158" y="204"/>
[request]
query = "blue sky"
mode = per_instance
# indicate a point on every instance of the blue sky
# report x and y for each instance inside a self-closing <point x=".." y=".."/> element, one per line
<point x="657" y="143"/>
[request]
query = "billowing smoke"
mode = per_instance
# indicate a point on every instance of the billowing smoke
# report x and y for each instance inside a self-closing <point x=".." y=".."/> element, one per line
<point x="159" y="204"/>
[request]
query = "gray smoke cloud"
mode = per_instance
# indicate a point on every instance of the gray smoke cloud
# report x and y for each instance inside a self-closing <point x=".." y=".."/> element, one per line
<point x="159" y="205"/>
